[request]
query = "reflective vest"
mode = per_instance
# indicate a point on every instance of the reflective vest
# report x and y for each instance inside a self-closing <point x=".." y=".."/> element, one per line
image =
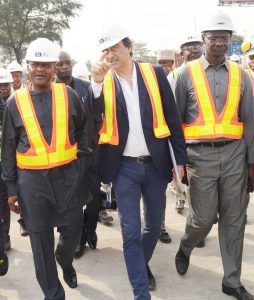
<point x="251" y="78"/>
<point x="40" y="155"/>
<point x="109" y="131"/>
<point x="208" y="124"/>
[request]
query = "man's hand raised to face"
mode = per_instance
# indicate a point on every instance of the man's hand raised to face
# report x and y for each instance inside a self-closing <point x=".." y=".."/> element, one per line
<point x="100" y="68"/>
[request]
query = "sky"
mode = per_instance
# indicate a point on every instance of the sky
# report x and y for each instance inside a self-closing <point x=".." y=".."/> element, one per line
<point x="162" y="24"/>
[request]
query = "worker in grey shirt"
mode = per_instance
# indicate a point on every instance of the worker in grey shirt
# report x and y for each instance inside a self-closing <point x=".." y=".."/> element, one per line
<point x="216" y="105"/>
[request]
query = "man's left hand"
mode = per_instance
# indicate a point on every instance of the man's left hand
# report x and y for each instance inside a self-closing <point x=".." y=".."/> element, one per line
<point x="180" y="169"/>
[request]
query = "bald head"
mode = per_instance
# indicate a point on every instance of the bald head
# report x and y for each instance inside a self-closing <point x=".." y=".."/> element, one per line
<point x="64" y="68"/>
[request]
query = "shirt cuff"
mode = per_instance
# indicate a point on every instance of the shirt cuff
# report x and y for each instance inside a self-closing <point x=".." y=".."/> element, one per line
<point x="11" y="189"/>
<point x="97" y="88"/>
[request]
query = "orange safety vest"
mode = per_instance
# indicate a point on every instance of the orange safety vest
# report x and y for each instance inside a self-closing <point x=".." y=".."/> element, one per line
<point x="109" y="131"/>
<point x="40" y="155"/>
<point x="251" y="78"/>
<point x="208" y="124"/>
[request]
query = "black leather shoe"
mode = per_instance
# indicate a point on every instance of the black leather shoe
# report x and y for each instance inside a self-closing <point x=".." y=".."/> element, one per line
<point x="79" y="251"/>
<point x="151" y="279"/>
<point x="4" y="265"/>
<point x="182" y="262"/>
<point x="239" y="293"/>
<point x="201" y="244"/>
<point x="23" y="229"/>
<point x="92" y="239"/>
<point x="164" y="237"/>
<point x="70" y="277"/>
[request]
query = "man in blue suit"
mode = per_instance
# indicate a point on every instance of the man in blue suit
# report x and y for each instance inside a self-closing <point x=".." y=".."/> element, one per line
<point x="134" y="151"/>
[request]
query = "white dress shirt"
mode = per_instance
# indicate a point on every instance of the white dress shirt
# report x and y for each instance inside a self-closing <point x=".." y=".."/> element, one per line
<point x="136" y="144"/>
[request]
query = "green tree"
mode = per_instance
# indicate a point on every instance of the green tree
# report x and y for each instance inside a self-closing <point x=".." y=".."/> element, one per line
<point x="141" y="53"/>
<point x="22" y="21"/>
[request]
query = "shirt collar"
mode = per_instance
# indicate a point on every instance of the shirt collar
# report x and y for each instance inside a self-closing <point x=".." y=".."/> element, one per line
<point x="206" y="64"/>
<point x="134" y="74"/>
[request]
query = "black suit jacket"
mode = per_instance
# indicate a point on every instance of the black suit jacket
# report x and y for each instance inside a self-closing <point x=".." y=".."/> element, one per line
<point x="110" y="156"/>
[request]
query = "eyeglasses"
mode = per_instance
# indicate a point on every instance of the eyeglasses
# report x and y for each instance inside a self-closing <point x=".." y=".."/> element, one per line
<point x="190" y="48"/>
<point x="214" y="39"/>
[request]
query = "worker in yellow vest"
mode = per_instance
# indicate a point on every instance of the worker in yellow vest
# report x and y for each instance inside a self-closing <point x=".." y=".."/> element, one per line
<point x="43" y="135"/>
<point x="215" y="101"/>
<point x="140" y="118"/>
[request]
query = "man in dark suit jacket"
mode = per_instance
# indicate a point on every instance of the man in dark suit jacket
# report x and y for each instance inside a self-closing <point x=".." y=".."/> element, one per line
<point x="91" y="180"/>
<point x="132" y="157"/>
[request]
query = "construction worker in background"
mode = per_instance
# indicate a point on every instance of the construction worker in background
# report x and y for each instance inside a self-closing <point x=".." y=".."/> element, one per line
<point x="5" y="92"/>
<point x="16" y="71"/>
<point x="250" y="70"/>
<point x="215" y="101"/>
<point x="134" y="151"/>
<point x="44" y="154"/>
<point x="191" y="48"/>
<point x="93" y="124"/>
<point x="5" y="242"/>
<point x="166" y="58"/>
<point x="236" y="58"/>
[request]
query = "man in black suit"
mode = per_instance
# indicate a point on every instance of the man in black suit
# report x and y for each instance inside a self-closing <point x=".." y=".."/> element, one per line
<point x="134" y="151"/>
<point x="93" y="122"/>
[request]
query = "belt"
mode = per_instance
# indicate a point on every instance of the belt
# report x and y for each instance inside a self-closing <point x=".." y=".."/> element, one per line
<point x="139" y="159"/>
<point x="212" y="144"/>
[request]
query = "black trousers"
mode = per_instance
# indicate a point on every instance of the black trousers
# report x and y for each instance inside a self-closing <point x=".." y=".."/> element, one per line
<point x="91" y="210"/>
<point x="4" y="207"/>
<point x="45" y="259"/>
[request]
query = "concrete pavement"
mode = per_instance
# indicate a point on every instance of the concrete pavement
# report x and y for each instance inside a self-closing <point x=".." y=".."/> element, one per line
<point x="102" y="274"/>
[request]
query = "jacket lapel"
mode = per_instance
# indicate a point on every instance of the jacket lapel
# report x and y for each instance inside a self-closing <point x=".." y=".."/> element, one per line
<point x="120" y="97"/>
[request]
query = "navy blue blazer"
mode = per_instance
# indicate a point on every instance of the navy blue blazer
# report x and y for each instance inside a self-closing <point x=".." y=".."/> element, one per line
<point x="110" y="156"/>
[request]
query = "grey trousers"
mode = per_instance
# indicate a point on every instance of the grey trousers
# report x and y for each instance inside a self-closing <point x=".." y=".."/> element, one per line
<point x="44" y="258"/>
<point x="217" y="185"/>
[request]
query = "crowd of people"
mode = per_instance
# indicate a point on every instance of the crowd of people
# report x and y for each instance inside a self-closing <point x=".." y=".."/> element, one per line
<point x="128" y="134"/>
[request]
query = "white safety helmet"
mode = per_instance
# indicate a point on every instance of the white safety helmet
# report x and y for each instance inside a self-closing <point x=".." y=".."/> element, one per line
<point x="5" y="76"/>
<point x="219" y="21"/>
<point x="251" y="52"/>
<point x="42" y="50"/>
<point x="15" y="67"/>
<point x="166" y="55"/>
<point x="110" y="35"/>
<point x="191" y="38"/>
<point x="80" y="70"/>
<point x="235" y="57"/>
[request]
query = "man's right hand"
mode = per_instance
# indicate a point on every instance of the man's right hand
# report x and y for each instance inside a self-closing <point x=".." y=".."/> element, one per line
<point x="100" y="68"/>
<point x="12" y="204"/>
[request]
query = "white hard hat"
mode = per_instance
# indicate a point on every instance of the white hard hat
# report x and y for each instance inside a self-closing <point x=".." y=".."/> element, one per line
<point x="5" y="76"/>
<point x="42" y="50"/>
<point x="191" y="38"/>
<point x="111" y="35"/>
<point x="166" y="55"/>
<point x="80" y="70"/>
<point x="219" y="21"/>
<point x="251" y="52"/>
<point x="235" y="57"/>
<point x="15" y="67"/>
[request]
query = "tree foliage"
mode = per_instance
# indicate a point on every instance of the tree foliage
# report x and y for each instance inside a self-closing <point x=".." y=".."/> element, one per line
<point x="22" y="21"/>
<point x="141" y="53"/>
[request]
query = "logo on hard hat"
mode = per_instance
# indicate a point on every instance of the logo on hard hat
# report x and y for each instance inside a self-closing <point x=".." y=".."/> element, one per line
<point x="41" y="54"/>
<point x="104" y="39"/>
